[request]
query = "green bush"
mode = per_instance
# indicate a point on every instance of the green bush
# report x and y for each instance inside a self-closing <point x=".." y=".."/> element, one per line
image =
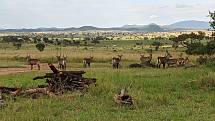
<point x="196" y="49"/>
<point x="40" y="46"/>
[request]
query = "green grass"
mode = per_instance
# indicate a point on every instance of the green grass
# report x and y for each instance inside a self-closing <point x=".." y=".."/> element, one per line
<point x="159" y="95"/>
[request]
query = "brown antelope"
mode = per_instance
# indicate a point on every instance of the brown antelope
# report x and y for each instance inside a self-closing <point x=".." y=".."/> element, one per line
<point x="145" y="60"/>
<point x="163" y="60"/>
<point x="62" y="62"/>
<point x="183" y="61"/>
<point x="33" y="62"/>
<point x="87" y="61"/>
<point x="116" y="61"/>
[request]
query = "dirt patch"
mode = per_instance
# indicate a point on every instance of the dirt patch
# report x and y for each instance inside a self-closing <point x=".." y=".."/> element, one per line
<point x="26" y="68"/>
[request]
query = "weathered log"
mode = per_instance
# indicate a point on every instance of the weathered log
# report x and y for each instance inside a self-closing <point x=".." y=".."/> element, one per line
<point x="54" y="70"/>
<point x="45" y="91"/>
<point x="8" y="89"/>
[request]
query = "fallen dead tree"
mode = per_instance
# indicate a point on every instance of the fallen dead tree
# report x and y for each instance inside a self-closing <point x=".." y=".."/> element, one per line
<point x="57" y="82"/>
<point x="123" y="98"/>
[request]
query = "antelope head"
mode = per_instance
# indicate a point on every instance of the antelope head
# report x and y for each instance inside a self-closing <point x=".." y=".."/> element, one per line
<point x="91" y="57"/>
<point x="65" y="57"/>
<point x="141" y="55"/>
<point x="120" y="56"/>
<point x="58" y="57"/>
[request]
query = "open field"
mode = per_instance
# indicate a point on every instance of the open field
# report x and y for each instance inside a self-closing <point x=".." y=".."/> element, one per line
<point x="159" y="94"/>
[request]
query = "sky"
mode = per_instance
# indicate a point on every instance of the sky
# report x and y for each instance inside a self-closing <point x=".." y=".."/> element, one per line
<point x="100" y="13"/>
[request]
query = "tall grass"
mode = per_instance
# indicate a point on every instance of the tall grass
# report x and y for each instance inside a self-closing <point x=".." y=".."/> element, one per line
<point x="159" y="95"/>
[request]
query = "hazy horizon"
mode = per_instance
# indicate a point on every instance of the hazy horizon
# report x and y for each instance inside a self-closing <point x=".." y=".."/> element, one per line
<point x="100" y="13"/>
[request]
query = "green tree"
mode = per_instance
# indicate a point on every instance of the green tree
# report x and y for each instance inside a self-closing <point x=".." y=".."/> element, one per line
<point x="40" y="46"/>
<point x="196" y="49"/>
<point x="212" y="22"/>
<point x="210" y="47"/>
<point x="157" y="45"/>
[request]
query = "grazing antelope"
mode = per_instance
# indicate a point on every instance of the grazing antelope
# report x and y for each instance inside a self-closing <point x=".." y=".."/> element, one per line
<point x="62" y="62"/>
<point x="116" y="61"/>
<point x="87" y="61"/>
<point x="33" y="62"/>
<point x="145" y="60"/>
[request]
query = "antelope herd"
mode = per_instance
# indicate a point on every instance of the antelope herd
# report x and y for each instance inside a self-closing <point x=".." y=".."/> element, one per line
<point x="116" y="61"/>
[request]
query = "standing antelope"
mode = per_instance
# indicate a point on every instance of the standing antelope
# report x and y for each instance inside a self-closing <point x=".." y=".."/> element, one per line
<point x="163" y="60"/>
<point x="62" y="62"/>
<point x="145" y="60"/>
<point x="33" y="62"/>
<point x="116" y="61"/>
<point x="87" y="61"/>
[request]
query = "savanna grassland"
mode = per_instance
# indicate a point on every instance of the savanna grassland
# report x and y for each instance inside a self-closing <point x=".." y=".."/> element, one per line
<point x="172" y="94"/>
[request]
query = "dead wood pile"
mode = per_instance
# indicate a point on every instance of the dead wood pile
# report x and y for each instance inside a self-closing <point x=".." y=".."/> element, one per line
<point x="57" y="82"/>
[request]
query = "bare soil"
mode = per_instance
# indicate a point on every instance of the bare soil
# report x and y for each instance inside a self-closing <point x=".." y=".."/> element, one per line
<point x="27" y="68"/>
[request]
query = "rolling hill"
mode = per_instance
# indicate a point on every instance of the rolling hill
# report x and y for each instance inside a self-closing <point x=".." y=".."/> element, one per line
<point x="178" y="26"/>
<point x="192" y="24"/>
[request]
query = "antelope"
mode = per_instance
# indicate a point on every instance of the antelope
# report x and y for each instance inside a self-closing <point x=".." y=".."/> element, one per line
<point x="145" y="60"/>
<point x="33" y="62"/>
<point x="163" y="60"/>
<point x="183" y="61"/>
<point x="116" y="61"/>
<point x="62" y="62"/>
<point x="87" y="61"/>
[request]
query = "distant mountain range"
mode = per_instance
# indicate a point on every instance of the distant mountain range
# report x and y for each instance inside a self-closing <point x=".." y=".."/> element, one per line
<point x="189" y="25"/>
<point x="178" y="26"/>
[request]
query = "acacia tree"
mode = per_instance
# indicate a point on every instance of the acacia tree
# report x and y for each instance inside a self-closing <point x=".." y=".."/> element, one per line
<point x="212" y="22"/>
<point x="40" y="46"/>
<point x="157" y="45"/>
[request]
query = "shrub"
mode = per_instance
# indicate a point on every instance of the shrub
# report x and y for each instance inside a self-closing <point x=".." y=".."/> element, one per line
<point x="157" y="45"/>
<point x="196" y="49"/>
<point x="40" y="46"/>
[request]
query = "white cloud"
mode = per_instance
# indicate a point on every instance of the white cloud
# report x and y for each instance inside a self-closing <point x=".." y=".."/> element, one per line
<point x="153" y="16"/>
<point x="67" y="13"/>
